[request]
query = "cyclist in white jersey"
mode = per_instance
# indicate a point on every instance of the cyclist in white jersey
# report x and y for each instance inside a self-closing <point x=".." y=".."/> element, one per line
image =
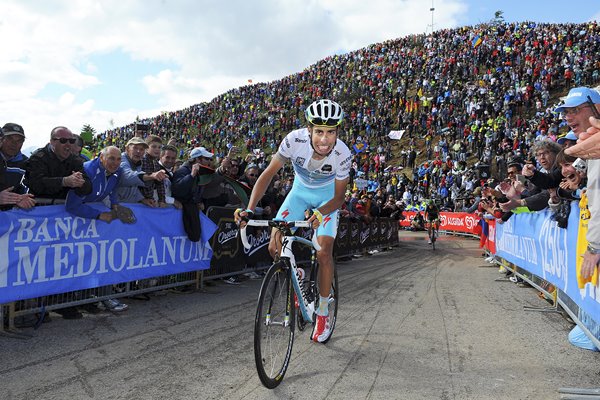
<point x="321" y="165"/>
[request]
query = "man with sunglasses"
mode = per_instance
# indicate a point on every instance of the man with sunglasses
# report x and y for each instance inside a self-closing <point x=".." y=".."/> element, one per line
<point x="54" y="170"/>
<point x="321" y="165"/>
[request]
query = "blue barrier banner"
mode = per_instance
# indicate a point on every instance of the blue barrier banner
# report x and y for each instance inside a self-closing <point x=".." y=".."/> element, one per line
<point x="47" y="251"/>
<point x="533" y="241"/>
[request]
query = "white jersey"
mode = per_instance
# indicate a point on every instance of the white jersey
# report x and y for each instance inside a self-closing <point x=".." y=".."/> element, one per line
<point x="296" y="148"/>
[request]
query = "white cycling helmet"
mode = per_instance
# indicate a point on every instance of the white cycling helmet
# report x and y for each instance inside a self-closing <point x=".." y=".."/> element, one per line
<point x="324" y="113"/>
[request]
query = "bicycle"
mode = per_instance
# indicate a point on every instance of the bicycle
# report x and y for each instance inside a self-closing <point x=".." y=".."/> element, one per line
<point x="433" y="232"/>
<point x="283" y="292"/>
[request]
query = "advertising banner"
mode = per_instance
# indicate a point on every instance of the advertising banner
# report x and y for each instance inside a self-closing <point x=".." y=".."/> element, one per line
<point x="46" y="250"/>
<point x="534" y="242"/>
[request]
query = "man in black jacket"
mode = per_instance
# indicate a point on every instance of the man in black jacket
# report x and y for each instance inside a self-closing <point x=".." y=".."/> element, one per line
<point x="187" y="191"/>
<point x="8" y="197"/>
<point x="53" y="170"/>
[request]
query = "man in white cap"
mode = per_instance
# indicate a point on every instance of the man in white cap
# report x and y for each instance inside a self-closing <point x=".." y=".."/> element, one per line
<point x="568" y="140"/>
<point x="579" y="109"/>
<point x="188" y="192"/>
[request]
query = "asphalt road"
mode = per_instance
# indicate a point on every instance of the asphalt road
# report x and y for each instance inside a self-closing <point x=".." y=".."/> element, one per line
<point x="412" y="324"/>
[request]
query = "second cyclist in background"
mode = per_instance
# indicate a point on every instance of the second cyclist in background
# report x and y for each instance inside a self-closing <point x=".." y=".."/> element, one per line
<point x="432" y="215"/>
<point x="321" y="165"/>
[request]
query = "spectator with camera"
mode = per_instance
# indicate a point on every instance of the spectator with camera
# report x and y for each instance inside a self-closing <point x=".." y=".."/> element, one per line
<point x="187" y="189"/>
<point x="153" y="189"/>
<point x="168" y="158"/>
<point x="545" y="153"/>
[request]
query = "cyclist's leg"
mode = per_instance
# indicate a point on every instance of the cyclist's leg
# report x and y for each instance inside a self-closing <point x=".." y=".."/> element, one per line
<point x="292" y="209"/>
<point x="275" y="243"/>
<point x="326" y="264"/>
<point x="326" y="236"/>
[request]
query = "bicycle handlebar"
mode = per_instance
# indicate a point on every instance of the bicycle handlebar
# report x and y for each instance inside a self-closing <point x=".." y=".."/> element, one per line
<point x="274" y="224"/>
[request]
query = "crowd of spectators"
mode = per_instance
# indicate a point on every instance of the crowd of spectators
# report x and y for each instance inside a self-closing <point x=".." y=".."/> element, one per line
<point x="478" y="121"/>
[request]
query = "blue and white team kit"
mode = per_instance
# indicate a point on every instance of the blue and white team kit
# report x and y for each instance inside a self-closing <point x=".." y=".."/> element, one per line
<point x="314" y="182"/>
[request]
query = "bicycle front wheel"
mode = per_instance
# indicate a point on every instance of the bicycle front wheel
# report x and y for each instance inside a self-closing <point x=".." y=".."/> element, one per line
<point x="274" y="325"/>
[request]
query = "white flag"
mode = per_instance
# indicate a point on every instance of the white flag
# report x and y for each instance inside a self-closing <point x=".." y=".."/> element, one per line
<point x="396" y="135"/>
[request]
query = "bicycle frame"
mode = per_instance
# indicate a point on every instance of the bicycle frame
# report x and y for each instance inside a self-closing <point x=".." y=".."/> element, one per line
<point x="287" y="255"/>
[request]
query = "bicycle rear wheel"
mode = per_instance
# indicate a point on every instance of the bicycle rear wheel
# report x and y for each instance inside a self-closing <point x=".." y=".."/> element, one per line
<point x="274" y="325"/>
<point x="333" y="301"/>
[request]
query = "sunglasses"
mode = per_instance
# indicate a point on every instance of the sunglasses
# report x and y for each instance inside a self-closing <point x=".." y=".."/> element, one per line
<point x="326" y="122"/>
<point x="63" y="140"/>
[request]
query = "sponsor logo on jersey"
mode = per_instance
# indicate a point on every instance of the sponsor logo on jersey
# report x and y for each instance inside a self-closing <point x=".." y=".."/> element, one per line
<point x="326" y="168"/>
<point x="287" y="143"/>
<point x="300" y="160"/>
<point x="297" y="140"/>
<point x="347" y="160"/>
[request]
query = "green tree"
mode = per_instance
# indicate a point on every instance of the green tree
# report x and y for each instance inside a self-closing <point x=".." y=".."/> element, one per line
<point x="87" y="133"/>
<point x="498" y="17"/>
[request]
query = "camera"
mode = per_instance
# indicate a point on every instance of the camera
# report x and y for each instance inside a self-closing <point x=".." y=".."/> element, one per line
<point x="142" y="127"/>
<point x="580" y="166"/>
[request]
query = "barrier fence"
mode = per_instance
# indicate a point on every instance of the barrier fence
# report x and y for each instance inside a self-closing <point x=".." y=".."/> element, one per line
<point x="51" y="260"/>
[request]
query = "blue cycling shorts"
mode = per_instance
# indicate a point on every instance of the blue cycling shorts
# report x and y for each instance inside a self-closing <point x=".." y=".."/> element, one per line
<point x="301" y="198"/>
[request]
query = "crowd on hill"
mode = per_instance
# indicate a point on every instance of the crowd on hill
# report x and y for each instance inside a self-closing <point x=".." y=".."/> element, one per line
<point x="468" y="107"/>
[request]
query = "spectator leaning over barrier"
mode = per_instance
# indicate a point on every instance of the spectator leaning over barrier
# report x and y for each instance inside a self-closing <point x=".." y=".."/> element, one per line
<point x="104" y="172"/>
<point x="545" y="153"/>
<point x="10" y="151"/>
<point x="168" y="157"/>
<point x="133" y="177"/>
<point x="263" y="207"/>
<point x="53" y="170"/>
<point x="14" y="137"/>
<point x="579" y="112"/>
<point x="571" y="187"/>
<point x="187" y="190"/>
<point x="153" y="189"/>
<point x="219" y="190"/>
<point x="8" y="197"/>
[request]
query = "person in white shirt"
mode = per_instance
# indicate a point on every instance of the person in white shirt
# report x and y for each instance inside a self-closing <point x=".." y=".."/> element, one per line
<point x="321" y="164"/>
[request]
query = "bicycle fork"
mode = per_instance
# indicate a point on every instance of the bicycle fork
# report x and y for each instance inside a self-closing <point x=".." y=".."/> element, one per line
<point x="306" y="306"/>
